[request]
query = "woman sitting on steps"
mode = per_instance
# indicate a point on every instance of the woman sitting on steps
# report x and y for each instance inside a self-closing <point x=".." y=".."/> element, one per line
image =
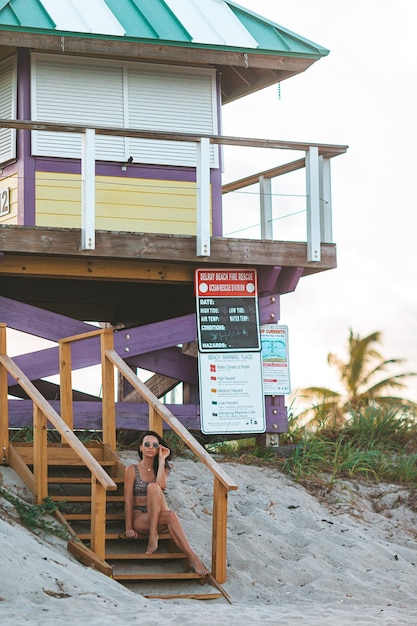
<point x="146" y="510"/>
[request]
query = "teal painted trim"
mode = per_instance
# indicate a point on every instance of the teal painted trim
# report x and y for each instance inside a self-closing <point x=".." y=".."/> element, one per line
<point x="132" y="20"/>
<point x="268" y="34"/>
<point x="187" y="35"/>
<point x="153" y="41"/>
<point x="152" y="21"/>
<point x="164" y="21"/>
<point x="8" y="17"/>
<point x="25" y="13"/>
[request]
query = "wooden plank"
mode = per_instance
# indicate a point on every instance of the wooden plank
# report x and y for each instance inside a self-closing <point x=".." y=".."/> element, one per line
<point x="253" y="142"/>
<point x="86" y="516"/>
<point x="253" y="179"/>
<point x="175" y="248"/>
<point x="185" y="596"/>
<point x="108" y="391"/>
<point x="98" y="518"/>
<point x="160" y="385"/>
<point x="129" y="415"/>
<point x="37" y="321"/>
<point x="155" y="51"/>
<point x="215" y="583"/>
<point x="19" y="466"/>
<point x="40" y="454"/>
<point x="58" y="455"/>
<point x="4" y="405"/>
<point x="118" y="472"/>
<point x="155" y="421"/>
<point x="65" y="379"/>
<point x="155" y="576"/>
<point x="158" y="556"/>
<point x="219" y="531"/>
<point x="88" y="557"/>
<point x="85" y="498"/>
<point x="26" y="265"/>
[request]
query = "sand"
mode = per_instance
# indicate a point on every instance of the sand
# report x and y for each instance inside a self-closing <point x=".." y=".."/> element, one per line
<point x="342" y="556"/>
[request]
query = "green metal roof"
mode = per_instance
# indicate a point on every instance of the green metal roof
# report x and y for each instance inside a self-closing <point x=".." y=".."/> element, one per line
<point x="156" y="21"/>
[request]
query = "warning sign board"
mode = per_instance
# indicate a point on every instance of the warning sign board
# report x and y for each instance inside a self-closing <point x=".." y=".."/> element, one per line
<point x="227" y="310"/>
<point x="231" y="393"/>
<point x="275" y="360"/>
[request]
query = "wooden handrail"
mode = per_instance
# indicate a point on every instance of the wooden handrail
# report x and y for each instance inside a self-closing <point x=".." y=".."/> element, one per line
<point x="222" y="482"/>
<point x="327" y="150"/>
<point x="293" y="166"/>
<point x="171" y="420"/>
<point x="57" y="422"/>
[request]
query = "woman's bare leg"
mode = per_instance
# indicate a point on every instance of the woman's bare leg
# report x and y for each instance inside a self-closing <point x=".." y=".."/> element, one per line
<point x="155" y="504"/>
<point x="170" y="519"/>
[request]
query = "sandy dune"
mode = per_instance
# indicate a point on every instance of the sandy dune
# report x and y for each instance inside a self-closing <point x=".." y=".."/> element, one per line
<point x="348" y="556"/>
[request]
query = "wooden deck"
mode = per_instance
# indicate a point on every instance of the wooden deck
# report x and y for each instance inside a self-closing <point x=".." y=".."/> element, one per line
<point x="46" y="267"/>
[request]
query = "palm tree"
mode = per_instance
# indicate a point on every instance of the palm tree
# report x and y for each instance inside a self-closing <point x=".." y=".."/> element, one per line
<point x="364" y="382"/>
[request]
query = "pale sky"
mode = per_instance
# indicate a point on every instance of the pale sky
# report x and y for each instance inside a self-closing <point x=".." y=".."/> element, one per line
<point x="362" y="94"/>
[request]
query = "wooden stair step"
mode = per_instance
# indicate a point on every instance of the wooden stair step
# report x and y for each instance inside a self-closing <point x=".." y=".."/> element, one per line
<point x="56" y="480"/>
<point x="87" y="516"/>
<point x="75" y="463"/>
<point x="85" y="498"/>
<point x="155" y="576"/>
<point x="125" y="556"/>
<point x="185" y="596"/>
<point x="87" y="537"/>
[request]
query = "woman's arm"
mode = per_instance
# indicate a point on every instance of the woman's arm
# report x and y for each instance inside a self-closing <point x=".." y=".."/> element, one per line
<point x="162" y="475"/>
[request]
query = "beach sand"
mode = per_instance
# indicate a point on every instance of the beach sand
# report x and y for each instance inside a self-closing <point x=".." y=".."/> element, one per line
<point x="342" y="556"/>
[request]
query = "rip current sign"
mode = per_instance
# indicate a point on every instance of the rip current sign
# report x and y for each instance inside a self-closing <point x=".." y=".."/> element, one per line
<point x="227" y="310"/>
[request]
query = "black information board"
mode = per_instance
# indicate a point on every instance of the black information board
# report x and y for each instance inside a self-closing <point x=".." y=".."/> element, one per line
<point x="228" y="324"/>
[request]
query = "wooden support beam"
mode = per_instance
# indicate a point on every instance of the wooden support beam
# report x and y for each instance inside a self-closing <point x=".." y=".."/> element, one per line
<point x="4" y="408"/>
<point x="97" y="269"/>
<point x="173" y="254"/>
<point x="98" y="518"/>
<point x="40" y="454"/>
<point x="219" y="531"/>
<point x="108" y="390"/>
<point x="155" y="421"/>
<point x="65" y="378"/>
<point x="88" y="557"/>
<point x="38" y="322"/>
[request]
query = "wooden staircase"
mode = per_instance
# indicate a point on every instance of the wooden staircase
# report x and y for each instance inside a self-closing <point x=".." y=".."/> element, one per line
<point x="125" y="560"/>
<point x="88" y="480"/>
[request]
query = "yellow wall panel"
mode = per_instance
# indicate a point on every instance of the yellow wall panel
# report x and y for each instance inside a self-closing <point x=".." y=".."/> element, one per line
<point x="126" y="204"/>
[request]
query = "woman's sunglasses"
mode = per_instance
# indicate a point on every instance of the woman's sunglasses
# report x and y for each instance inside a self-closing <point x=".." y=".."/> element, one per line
<point x="147" y="444"/>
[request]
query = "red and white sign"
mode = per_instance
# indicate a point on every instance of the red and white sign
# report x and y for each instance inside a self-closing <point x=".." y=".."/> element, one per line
<point x="227" y="283"/>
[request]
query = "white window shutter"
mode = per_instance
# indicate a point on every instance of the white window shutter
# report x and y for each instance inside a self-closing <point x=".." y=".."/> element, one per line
<point x="77" y="93"/>
<point x="8" y="109"/>
<point x="126" y="95"/>
<point x="173" y="101"/>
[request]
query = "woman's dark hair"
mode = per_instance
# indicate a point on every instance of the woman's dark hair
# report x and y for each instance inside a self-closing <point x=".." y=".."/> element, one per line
<point x="162" y="442"/>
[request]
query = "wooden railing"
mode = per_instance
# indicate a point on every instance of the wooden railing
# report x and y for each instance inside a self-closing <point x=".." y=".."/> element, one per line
<point x="316" y="163"/>
<point x="42" y="414"/>
<point x="158" y="414"/>
<point x="101" y="481"/>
